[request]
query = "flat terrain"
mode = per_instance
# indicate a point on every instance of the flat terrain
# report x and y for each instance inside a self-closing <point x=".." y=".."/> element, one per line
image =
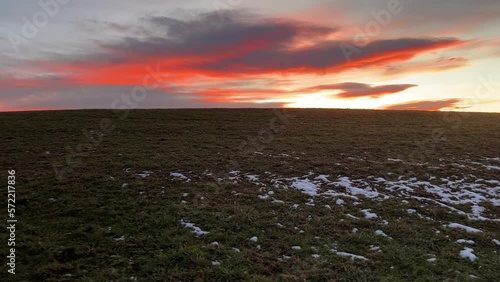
<point x="253" y="195"/>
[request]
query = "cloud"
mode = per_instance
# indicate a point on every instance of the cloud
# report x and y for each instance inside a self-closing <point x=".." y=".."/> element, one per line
<point x="347" y="90"/>
<point x="434" y="105"/>
<point x="241" y="45"/>
<point x="327" y="57"/>
<point x="104" y="97"/>
<point x="440" y="64"/>
<point x="186" y="53"/>
<point x="355" y="90"/>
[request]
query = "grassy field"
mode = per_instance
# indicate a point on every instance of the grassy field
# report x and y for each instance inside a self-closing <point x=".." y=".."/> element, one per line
<point x="295" y="195"/>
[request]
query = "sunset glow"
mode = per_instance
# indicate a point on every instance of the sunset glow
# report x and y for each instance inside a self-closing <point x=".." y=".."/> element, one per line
<point x="383" y="54"/>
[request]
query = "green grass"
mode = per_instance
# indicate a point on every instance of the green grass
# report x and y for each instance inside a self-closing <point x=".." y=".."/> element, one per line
<point x="67" y="225"/>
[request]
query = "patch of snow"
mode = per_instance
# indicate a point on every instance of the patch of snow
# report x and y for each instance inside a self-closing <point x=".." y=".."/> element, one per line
<point x="263" y="197"/>
<point x="144" y="174"/>
<point x="464" y="227"/>
<point x="368" y="214"/>
<point x="236" y="250"/>
<point x="468" y="253"/>
<point x="381" y="233"/>
<point x="477" y="210"/>
<point x="306" y="186"/>
<point x="122" y="238"/>
<point x="316" y="256"/>
<point x="354" y="230"/>
<point x="352" y="216"/>
<point x="216" y="262"/>
<point x="277" y="201"/>
<point x="323" y="178"/>
<point x="180" y="176"/>
<point x="411" y="211"/>
<point x="339" y="202"/>
<point x="496" y="242"/>
<point x="196" y="230"/>
<point x="432" y="260"/>
<point x="349" y="255"/>
<point x="328" y="207"/>
<point x="310" y="202"/>
<point x="348" y="185"/>
<point x="492" y="167"/>
<point x="296" y="248"/>
<point x="124" y="185"/>
<point x="252" y="177"/>
<point x="463" y="241"/>
<point x="254" y="239"/>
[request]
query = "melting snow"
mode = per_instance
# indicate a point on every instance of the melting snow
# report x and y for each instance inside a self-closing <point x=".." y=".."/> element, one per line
<point x="122" y="238"/>
<point x="368" y="214"/>
<point x="463" y="241"/>
<point x="180" y="176"/>
<point x="144" y="174"/>
<point x="349" y="255"/>
<point x="464" y="227"/>
<point x="468" y="253"/>
<point x="348" y="185"/>
<point x="381" y="233"/>
<point x="196" y="230"/>
<point x="306" y="186"/>
<point x="252" y="177"/>
<point x="277" y="201"/>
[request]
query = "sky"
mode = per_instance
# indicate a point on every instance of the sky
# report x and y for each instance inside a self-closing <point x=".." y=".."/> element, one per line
<point x="433" y="55"/>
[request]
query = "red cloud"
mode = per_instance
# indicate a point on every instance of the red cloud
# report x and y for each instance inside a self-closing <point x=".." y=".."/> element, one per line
<point x="354" y="90"/>
<point x="348" y="90"/>
<point x="190" y="52"/>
